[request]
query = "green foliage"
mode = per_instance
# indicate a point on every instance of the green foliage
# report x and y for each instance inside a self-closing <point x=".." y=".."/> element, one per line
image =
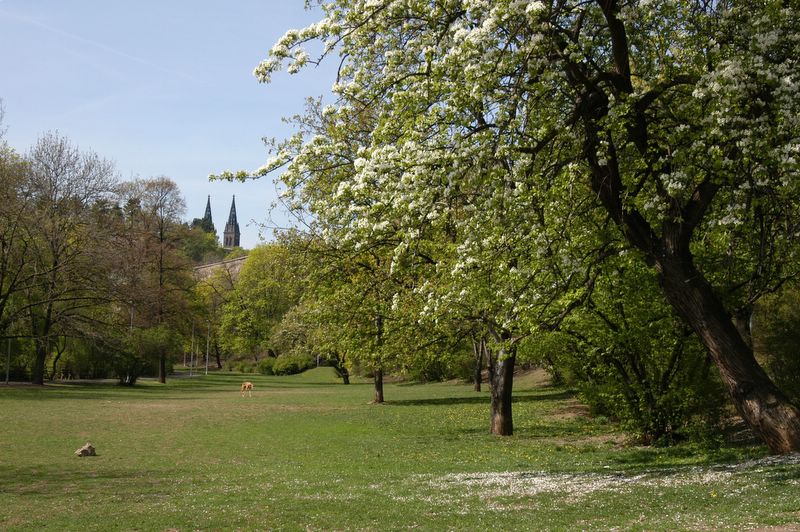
<point x="292" y="364"/>
<point x="633" y="360"/>
<point x="14" y="209"/>
<point x="143" y="349"/>
<point x="245" y="366"/>
<point x="86" y="359"/>
<point x="236" y="253"/>
<point x="201" y="245"/>
<point x="776" y="336"/>
<point x="21" y="358"/>
<point x="205" y="224"/>
<point x="265" y="290"/>
<point x="241" y="365"/>
<point x="265" y="366"/>
<point x="439" y="364"/>
<point x="484" y="159"/>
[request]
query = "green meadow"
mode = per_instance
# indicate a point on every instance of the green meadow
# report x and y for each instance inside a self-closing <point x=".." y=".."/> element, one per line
<point x="308" y="453"/>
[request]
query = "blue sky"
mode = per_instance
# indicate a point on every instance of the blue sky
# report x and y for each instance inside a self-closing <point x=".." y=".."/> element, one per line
<point x="159" y="87"/>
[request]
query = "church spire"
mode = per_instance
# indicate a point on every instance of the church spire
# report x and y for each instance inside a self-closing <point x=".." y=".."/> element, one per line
<point x="231" y="234"/>
<point x="207" y="223"/>
<point x="207" y="216"/>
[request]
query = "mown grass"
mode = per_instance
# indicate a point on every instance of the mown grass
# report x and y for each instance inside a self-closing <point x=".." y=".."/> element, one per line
<point x="308" y="453"/>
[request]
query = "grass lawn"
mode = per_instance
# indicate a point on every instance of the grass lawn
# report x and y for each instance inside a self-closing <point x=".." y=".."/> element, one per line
<point x="308" y="453"/>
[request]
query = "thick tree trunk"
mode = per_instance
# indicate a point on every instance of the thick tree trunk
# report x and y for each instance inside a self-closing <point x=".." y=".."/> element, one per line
<point x="37" y="376"/>
<point x="217" y="355"/>
<point x="338" y="362"/>
<point x="378" y="379"/>
<point x="555" y="375"/>
<point x="40" y="330"/>
<point x="764" y="408"/>
<point x="761" y="404"/>
<point x="502" y="378"/>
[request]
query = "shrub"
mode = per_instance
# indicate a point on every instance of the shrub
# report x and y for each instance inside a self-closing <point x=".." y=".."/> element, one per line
<point x="432" y="370"/>
<point x="246" y="366"/>
<point x="139" y="356"/>
<point x="292" y="364"/>
<point x="776" y="336"/>
<point x="87" y="359"/>
<point x="265" y="366"/>
<point x="662" y="391"/>
<point x="632" y="359"/>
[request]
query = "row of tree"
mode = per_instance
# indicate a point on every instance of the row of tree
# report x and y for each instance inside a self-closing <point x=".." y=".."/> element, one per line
<point x="610" y="184"/>
<point x="92" y="268"/>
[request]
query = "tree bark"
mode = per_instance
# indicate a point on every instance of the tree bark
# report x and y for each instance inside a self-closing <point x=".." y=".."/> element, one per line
<point x="217" y="354"/>
<point x="764" y="408"/>
<point x="378" y="379"/>
<point x="502" y="378"/>
<point x="767" y="411"/>
<point x="55" y="365"/>
<point x="338" y="363"/>
<point x="38" y="364"/>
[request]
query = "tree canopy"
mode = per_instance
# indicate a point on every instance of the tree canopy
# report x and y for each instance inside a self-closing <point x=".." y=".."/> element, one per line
<point x="549" y="136"/>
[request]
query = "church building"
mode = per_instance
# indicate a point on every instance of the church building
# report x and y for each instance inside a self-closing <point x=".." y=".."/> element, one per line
<point x="230" y="237"/>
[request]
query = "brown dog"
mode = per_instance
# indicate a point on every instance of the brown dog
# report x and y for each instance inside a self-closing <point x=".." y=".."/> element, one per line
<point x="247" y="386"/>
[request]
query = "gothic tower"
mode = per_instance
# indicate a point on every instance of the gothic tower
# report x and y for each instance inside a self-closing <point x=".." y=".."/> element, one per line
<point x="207" y="224"/>
<point x="230" y="237"/>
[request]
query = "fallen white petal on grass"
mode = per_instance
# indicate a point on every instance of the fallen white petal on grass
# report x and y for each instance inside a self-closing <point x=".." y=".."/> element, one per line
<point x="528" y="483"/>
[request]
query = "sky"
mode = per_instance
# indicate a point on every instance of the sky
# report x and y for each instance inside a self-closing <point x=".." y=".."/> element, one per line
<point x="160" y="88"/>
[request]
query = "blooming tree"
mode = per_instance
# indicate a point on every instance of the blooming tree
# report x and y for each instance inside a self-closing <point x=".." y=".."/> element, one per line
<point x="570" y="125"/>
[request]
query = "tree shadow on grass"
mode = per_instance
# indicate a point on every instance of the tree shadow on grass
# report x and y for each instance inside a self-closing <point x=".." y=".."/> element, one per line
<point x="148" y="388"/>
<point x="475" y="399"/>
<point x="48" y="482"/>
<point x="554" y="394"/>
<point x="783" y="468"/>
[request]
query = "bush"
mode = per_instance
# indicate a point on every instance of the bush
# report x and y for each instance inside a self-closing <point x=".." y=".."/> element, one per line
<point x="141" y="353"/>
<point x="21" y="359"/>
<point x="87" y="360"/>
<point x="246" y="366"/>
<point x="265" y="366"/>
<point x="292" y="364"/>
<point x="432" y="370"/>
<point x="776" y="336"/>
<point x="632" y="359"/>
<point x="662" y="391"/>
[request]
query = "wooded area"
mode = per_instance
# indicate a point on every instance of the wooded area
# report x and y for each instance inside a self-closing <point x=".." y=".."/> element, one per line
<point x="607" y="189"/>
<point x="503" y="164"/>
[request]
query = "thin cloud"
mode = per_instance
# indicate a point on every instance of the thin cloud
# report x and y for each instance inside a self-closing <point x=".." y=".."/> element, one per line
<point x="95" y="44"/>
